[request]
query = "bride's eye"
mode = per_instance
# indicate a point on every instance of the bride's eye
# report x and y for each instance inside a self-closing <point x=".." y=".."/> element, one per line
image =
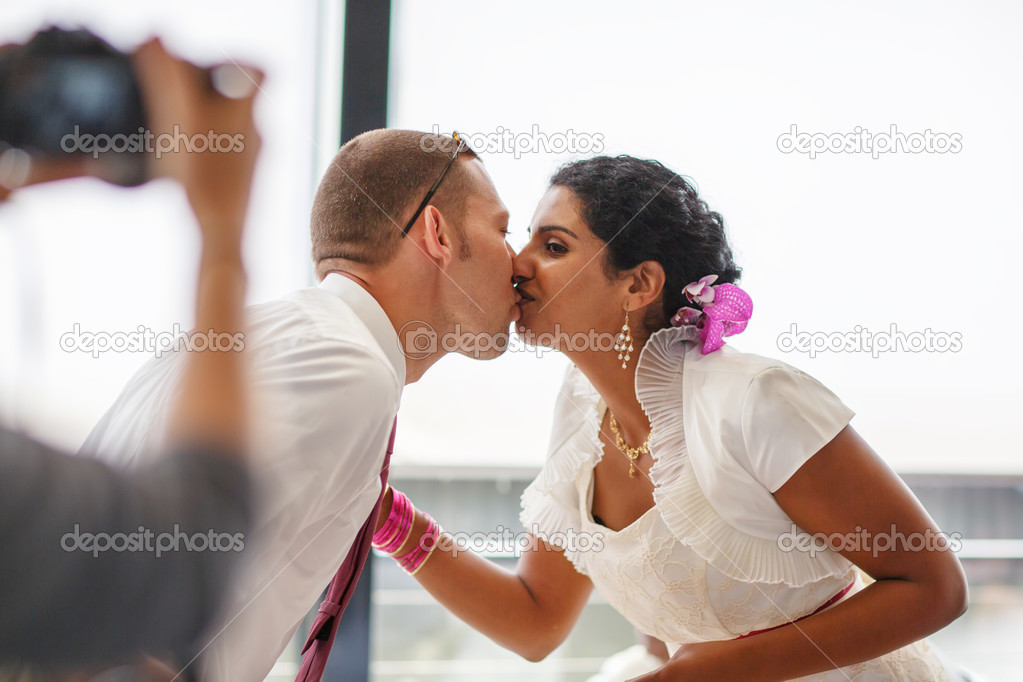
<point x="556" y="248"/>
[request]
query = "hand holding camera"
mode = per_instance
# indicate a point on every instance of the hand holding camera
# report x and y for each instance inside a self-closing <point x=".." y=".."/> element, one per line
<point x="71" y="105"/>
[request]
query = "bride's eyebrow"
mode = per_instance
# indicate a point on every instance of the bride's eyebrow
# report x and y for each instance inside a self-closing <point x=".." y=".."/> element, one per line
<point x="554" y="228"/>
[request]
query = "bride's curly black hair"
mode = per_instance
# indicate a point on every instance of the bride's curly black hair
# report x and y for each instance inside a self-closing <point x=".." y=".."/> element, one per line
<point x="644" y="211"/>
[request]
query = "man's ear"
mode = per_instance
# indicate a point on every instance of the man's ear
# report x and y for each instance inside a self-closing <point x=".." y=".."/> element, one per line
<point x="432" y="234"/>
<point x="646" y="282"/>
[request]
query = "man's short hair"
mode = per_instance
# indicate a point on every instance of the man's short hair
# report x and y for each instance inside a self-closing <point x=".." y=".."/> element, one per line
<point x="373" y="186"/>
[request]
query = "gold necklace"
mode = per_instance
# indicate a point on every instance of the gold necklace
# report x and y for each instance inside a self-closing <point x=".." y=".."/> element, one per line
<point x="632" y="453"/>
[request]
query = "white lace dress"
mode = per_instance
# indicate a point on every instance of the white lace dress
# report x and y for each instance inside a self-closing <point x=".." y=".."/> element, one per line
<point x="699" y="567"/>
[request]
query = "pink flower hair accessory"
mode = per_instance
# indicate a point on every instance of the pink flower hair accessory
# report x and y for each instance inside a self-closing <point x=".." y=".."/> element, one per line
<point x="726" y="309"/>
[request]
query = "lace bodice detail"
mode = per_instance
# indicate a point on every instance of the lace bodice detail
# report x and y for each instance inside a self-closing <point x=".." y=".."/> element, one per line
<point x="666" y="590"/>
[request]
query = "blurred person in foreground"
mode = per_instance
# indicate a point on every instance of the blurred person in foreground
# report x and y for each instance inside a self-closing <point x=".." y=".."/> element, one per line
<point x="66" y="609"/>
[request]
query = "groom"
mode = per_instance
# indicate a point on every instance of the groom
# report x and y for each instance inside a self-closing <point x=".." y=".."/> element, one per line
<point x="408" y="236"/>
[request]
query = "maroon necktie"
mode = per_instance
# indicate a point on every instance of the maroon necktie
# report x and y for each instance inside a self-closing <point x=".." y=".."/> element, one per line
<point x="324" y="629"/>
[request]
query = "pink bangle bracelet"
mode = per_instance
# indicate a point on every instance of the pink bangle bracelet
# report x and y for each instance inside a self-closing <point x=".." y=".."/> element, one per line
<point x="415" y="559"/>
<point x="401" y="519"/>
<point x="390" y="527"/>
<point x="393" y="534"/>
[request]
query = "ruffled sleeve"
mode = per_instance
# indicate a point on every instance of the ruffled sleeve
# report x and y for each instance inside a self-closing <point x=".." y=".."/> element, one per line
<point x="788" y="417"/>
<point x="551" y="503"/>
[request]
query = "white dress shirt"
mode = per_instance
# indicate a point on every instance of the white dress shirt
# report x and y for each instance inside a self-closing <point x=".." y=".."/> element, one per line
<point x="327" y="373"/>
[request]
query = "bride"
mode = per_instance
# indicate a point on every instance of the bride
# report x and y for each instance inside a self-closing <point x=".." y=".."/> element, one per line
<point x="719" y="500"/>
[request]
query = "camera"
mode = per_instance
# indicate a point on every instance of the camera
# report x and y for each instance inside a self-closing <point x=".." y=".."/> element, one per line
<point x="63" y="90"/>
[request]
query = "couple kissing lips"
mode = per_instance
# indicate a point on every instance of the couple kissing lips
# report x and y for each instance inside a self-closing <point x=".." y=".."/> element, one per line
<point x="523" y="300"/>
<point x="524" y="297"/>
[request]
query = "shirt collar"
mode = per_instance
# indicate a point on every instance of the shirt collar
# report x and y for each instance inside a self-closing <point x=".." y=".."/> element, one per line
<point x="372" y="315"/>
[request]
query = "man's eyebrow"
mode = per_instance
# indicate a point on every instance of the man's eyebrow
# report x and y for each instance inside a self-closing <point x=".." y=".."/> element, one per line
<point x="553" y="228"/>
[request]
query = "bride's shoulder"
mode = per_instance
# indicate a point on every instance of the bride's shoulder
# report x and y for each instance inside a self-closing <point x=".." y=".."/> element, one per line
<point x="730" y="365"/>
<point x="672" y="353"/>
<point x="731" y="360"/>
<point x="729" y="386"/>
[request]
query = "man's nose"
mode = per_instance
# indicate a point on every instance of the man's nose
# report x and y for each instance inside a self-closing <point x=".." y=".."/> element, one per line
<point x="521" y="269"/>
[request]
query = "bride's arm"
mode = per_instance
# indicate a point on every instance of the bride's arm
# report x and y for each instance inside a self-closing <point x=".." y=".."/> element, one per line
<point x="529" y="611"/>
<point x="842" y="491"/>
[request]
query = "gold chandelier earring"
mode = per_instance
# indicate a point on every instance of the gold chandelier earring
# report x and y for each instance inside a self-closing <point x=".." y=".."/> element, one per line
<point x="624" y="343"/>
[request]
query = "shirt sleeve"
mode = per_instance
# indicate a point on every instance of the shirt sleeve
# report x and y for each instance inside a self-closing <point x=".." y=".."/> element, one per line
<point x="99" y="564"/>
<point x="787" y="417"/>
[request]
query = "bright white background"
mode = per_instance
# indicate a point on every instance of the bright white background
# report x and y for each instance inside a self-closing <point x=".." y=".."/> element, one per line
<point x="922" y="241"/>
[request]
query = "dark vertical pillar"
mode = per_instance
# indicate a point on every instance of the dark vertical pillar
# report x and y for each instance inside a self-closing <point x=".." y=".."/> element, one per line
<point x="366" y="52"/>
